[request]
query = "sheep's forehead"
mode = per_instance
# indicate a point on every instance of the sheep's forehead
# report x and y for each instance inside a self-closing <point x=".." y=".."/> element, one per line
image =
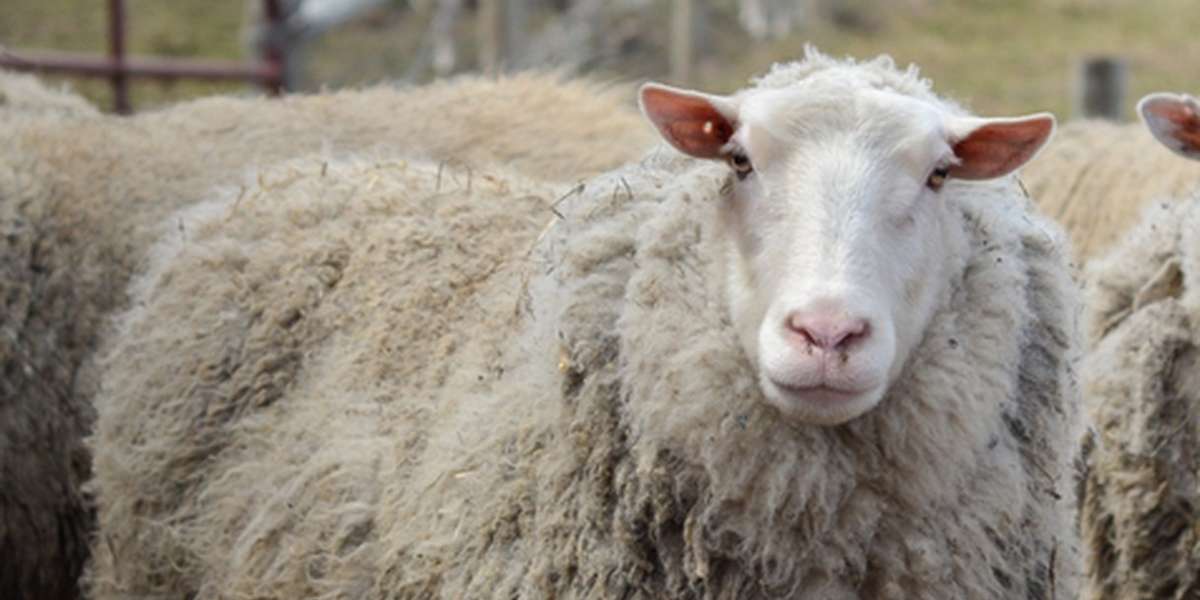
<point x="794" y="123"/>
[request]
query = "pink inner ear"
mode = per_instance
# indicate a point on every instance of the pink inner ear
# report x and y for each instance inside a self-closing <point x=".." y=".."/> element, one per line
<point x="690" y="123"/>
<point x="1176" y="119"/>
<point x="997" y="149"/>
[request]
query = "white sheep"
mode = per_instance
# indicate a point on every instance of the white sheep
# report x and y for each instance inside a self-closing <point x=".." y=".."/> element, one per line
<point x="1139" y="500"/>
<point x="824" y="355"/>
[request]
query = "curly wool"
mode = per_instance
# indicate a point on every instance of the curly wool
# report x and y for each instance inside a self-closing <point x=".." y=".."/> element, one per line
<point x="278" y="366"/>
<point x="45" y="518"/>
<point x="878" y="73"/>
<point x="1141" y="380"/>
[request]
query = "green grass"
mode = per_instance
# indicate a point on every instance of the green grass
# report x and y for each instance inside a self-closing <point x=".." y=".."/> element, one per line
<point x="1003" y="57"/>
<point x="178" y="28"/>
<point x="997" y="56"/>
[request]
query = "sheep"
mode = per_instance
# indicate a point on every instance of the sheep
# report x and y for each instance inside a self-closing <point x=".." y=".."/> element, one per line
<point x="1096" y="177"/>
<point x="44" y="516"/>
<point x="23" y="95"/>
<point x="592" y="416"/>
<point x="371" y="262"/>
<point x="81" y="196"/>
<point x="1139" y="500"/>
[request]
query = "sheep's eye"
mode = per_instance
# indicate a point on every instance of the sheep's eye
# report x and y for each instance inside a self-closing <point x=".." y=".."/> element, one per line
<point x="937" y="178"/>
<point x="740" y="163"/>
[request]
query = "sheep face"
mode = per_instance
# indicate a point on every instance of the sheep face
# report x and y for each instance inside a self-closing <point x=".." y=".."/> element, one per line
<point x="1175" y="122"/>
<point x="839" y="225"/>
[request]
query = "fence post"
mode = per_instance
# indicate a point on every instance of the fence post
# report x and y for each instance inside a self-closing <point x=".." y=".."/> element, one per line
<point x="441" y="32"/>
<point x="681" y="41"/>
<point x="516" y="26"/>
<point x="502" y="28"/>
<point x="116" y="46"/>
<point x="1101" y="83"/>
<point x="491" y="35"/>
<point x="274" y="51"/>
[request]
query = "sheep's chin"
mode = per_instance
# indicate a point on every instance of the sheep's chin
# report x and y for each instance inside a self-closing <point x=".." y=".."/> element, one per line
<point x="819" y="406"/>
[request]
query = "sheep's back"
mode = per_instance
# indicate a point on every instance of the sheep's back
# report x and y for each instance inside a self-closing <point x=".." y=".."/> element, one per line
<point x="22" y="96"/>
<point x="282" y="364"/>
<point x="1095" y="177"/>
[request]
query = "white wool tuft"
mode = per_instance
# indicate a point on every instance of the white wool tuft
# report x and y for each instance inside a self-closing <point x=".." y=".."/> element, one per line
<point x="879" y="73"/>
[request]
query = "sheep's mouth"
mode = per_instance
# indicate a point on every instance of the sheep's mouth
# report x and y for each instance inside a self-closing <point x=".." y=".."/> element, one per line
<point x="819" y="392"/>
<point x="822" y="404"/>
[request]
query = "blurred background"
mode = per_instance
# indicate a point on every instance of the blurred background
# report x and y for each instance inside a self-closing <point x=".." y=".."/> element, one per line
<point x="996" y="56"/>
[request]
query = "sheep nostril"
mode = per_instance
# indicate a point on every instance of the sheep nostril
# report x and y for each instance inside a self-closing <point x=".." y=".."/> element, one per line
<point x="827" y="332"/>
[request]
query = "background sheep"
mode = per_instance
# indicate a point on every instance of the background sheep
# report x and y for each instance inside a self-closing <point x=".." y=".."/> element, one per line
<point x="44" y="517"/>
<point x="81" y="197"/>
<point x="338" y="292"/>
<point x="1139" y="498"/>
<point x="25" y="95"/>
<point x="1096" y="177"/>
<point x="262" y="432"/>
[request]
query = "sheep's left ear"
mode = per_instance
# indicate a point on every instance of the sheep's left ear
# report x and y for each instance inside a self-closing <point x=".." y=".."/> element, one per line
<point x="988" y="148"/>
<point x="694" y="123"/>
<point x="1174" y="120"/>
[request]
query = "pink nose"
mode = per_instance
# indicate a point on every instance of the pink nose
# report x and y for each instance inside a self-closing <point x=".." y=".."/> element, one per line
<point x="826" y="331"/>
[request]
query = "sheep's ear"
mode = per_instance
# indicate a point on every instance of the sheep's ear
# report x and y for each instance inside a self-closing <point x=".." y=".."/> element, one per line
<point x="988" y="148"/>
<point x="694" y="123"/>
<point x="1174" y="120"/>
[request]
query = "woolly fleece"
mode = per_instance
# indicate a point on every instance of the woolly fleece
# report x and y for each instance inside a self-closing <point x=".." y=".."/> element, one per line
<point x="616" y="447"/>
<point x="25" y="95"/>
<point x="1095" y="178"/>
<point x="44" y="516"/>
<point x="82" y="197"/>
<point x="279" y="365"/>
<point x="1139" y="490"/>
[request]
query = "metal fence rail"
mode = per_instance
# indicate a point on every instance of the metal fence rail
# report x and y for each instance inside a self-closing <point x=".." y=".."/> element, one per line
<point x="119" y="68"/>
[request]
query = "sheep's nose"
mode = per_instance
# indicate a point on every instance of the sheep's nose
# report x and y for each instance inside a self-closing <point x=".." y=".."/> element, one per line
<point x="827" y="331"/>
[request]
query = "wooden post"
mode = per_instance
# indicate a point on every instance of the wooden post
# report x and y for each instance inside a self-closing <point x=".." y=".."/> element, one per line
<point x="116" y="49"/>
<point x="274" y="54"/>
<point x="1101" y="84"/>
<point x="445" y="53"/>
<point x="503" y="26"/>
<point x="681" y="41"/>
<point x="516" y="28"/>
<point x="492" y="30"/>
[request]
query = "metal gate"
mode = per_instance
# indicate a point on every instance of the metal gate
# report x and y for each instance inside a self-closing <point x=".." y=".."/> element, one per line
<point x="268" y="71"/>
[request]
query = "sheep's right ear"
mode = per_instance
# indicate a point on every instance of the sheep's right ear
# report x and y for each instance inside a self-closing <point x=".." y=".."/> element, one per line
<point x="1174" y="119"/>
<point x="989" y="148"/>
<point x="694" y="123"/>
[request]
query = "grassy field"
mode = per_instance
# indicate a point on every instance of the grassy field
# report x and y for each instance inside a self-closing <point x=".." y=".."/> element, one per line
<point x="178" y="28"/>
<point x="1013" y="55"/>
<point x="996" y="56"/>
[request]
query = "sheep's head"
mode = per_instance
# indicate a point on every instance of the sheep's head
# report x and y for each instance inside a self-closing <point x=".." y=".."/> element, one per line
<point x="839" y="225"/>
<point x="1174" y="119"/>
